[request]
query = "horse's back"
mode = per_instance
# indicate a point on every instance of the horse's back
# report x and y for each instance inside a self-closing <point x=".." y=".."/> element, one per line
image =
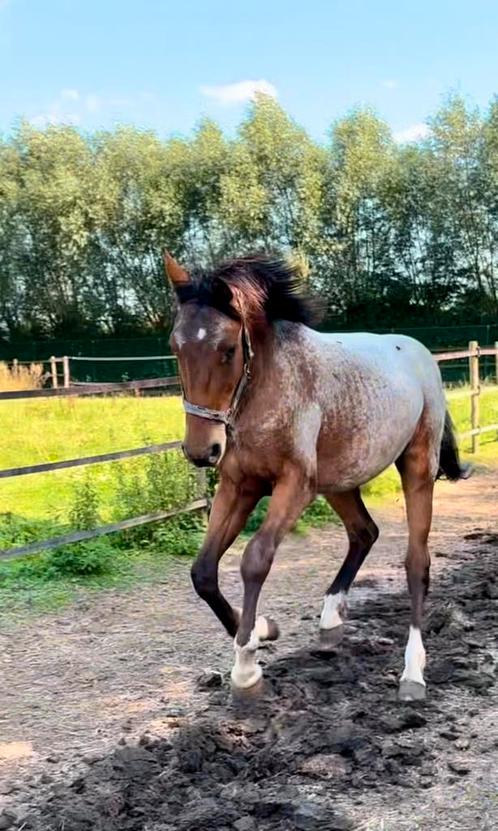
<point x="399" y="359"/>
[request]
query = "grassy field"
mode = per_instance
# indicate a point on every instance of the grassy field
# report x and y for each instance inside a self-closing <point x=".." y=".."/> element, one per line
<point x="35" y="431"/>
<point x="38" y="506"/>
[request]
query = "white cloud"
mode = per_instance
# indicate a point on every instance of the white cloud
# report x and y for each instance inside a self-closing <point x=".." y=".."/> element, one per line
<point x="77" y="107"/>
<point x="390" y="84"/>
<point x="240" y="92"/>
<point x="68" y="107"/>
<point x="55" y="116"/>
<point x="414" y="132"/>
<point x="92" y="103"/>
<point x="70" y="95"/>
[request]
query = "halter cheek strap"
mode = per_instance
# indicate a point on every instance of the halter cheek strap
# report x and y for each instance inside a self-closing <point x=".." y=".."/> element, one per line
<point x="226" y="417"/>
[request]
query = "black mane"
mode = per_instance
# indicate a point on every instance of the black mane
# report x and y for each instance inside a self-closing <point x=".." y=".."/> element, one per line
<point x="267" y="284"/>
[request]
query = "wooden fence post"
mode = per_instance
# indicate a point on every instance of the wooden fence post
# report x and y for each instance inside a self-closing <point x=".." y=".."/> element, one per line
<point x="496" y="362"/>
<point x="475" y="390"/>
<point x="53" y="371"/>
<point x="65" y="365"/>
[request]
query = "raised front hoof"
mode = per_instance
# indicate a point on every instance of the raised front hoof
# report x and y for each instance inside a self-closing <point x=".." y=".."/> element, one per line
<point x="266" y="629"/>
<point x="411" y="691"/>
<point x="331" y="638"/>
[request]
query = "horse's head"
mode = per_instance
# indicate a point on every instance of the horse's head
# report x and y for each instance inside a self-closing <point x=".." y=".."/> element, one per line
<point x="210" y="342"/>
<point x="217" y="314"/>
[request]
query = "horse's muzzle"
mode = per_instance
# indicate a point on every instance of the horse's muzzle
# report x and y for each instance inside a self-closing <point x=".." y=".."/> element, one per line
<point x="209" y="459"/>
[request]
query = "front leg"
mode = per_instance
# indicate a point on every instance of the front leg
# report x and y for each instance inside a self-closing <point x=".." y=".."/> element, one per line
<point x="291" y="494"/>
<point x="233" y="502"/>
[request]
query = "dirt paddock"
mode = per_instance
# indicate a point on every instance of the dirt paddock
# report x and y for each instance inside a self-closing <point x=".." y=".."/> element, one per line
<point x="116" y="713"/>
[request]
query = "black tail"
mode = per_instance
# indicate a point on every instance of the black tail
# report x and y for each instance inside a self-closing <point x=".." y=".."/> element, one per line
<point x="449" y="462"/>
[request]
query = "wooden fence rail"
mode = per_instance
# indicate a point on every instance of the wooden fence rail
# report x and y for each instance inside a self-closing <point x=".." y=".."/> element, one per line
<point x="8" y="473"/>
<point x="79" y="536"/>
<point x="472" y="354"/>
<point x="81" y="388"/>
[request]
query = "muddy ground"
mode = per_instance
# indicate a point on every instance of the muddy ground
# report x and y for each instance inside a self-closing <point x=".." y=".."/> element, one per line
<point x="117" y="713"/>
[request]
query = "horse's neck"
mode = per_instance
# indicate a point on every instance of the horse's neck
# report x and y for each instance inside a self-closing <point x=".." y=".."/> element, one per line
<point x="277" y="358"/>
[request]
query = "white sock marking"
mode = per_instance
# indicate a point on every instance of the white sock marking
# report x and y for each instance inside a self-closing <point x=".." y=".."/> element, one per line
<point x="333" y="606"/>
<point x="246" y="671"/>
<point x="414" y="657"/>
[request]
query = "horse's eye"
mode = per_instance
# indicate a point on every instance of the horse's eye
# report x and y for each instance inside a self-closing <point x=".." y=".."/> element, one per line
<point x="228" y="354"/>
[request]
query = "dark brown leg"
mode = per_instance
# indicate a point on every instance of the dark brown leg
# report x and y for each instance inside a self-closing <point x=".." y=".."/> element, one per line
<point x="290" y="497"/>
<point x="418" y="486"/>
<point x="231" y="507"/>
<point x="362" y="533"/>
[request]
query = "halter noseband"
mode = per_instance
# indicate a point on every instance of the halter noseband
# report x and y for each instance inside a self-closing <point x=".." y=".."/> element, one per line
<point x="226" y="416"/>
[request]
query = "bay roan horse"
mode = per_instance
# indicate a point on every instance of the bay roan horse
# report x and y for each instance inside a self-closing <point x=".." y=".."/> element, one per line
<point x="281" y="409"/>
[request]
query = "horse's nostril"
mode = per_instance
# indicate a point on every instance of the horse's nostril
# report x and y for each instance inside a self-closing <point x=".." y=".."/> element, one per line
<point x="215" y="451"/>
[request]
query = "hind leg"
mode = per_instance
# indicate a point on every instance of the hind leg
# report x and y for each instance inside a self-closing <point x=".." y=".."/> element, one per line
<point x="362" y="533"/>
<point x="417" y="468"/>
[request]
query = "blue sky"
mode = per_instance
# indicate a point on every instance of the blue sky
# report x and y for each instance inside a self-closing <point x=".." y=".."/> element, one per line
<point x="163" y="65"/>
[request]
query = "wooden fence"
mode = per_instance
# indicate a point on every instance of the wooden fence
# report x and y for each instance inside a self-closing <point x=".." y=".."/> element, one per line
<point x="96" y="389"/>
<point x="472" y="354"/>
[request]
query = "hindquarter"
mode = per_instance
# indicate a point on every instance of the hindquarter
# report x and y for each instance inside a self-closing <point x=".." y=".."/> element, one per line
<point x="376" y="420"/>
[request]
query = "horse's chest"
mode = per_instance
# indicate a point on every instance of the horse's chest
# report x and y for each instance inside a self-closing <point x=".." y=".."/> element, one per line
<point x="273" y="438"/>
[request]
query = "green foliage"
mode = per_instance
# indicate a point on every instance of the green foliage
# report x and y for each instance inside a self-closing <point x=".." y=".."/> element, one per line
<point x="391" y="233"/>
<point x="257" y="516"/>
<point x="318" y="514"/>
<point x="160" y="482"/>
<point x="85" y="559"/>
<point x="84" y="512"/>
<point x="18" y="530"/>
<point x="181" y="536"/>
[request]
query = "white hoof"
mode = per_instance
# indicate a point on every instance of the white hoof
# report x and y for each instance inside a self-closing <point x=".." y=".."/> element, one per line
<point x="245" y="677"/>
<point x="266" y="629"/>
<point x="411" y="690"/>
<point x="261" y="628"/>
<point x="334" y="611"/>
<point x="413" y="672"/>
<point x="330" y="638"/>
<point x="246" y="671"/>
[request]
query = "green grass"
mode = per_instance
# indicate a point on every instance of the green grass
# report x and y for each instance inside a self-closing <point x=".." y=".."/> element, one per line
<point x="23" y="593"/>
<point x="35" y="431"/>
<point x="47" y="504"/>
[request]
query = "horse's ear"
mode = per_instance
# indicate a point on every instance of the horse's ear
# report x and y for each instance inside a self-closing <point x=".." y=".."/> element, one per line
<point x="177" y="275"/>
